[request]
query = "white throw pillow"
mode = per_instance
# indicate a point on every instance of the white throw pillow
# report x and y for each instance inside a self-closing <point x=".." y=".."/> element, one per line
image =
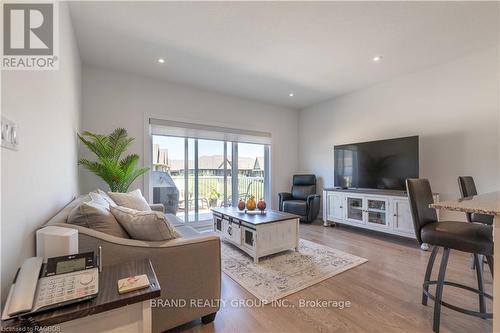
<point x="144" y="225"/>
<point x="133" y="200"/>
<point x="106" y="197"/>
<point x="99" y="199"/>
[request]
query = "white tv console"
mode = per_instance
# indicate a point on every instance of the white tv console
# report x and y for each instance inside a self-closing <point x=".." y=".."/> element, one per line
<point x="381" y="210"/>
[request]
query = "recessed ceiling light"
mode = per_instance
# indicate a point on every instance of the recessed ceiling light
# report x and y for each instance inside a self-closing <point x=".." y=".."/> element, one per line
<point x="291" y="94"/>
<point x="161" y="60"/>
<point x="377" y="58"/>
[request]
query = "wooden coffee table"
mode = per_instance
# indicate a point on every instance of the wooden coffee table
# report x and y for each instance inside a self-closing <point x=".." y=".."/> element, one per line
<point x="257" y="234"/>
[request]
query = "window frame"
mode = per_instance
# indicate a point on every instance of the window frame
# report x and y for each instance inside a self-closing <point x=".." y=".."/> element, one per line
<point x="148" y="188"/>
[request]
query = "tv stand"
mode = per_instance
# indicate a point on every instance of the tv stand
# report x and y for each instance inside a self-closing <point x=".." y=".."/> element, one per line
<point x="370" y="190"/>
<point x="386" y="211"/>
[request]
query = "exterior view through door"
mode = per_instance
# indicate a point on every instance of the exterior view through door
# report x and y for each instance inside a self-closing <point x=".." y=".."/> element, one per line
<point x="196" y="170"/>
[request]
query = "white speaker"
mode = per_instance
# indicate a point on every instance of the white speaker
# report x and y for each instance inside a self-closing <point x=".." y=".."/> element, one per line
<point x="55" y="241"/>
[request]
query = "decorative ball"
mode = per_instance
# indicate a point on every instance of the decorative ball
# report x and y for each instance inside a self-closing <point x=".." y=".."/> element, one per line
<point x="261" y="205"/>
<point x="241" y="205"/>
<point x="251" y="204"/>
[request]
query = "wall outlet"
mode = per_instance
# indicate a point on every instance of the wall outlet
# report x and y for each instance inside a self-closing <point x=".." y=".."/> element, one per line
<point x="9" y="134"/>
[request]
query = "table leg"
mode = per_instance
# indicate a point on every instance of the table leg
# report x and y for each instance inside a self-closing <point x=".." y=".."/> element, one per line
<point x="147" y="323"/>
<point x="255" y="260"/>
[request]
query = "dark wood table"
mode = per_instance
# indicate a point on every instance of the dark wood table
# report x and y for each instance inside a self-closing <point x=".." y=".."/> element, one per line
<point x="107" y="299"/>
<point x="255" y="217"/>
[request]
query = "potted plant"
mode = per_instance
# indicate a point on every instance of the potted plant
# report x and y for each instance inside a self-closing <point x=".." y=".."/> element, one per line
<point x="117" y="172"/>
<point x="213" y="197"/>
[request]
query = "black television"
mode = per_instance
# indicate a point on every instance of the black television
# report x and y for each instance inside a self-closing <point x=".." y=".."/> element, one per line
<point x="382" y="164"/>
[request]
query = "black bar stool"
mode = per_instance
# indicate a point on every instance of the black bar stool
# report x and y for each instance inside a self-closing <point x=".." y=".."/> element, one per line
<point x="467" y="237"/>
<point x="468" y="189"/>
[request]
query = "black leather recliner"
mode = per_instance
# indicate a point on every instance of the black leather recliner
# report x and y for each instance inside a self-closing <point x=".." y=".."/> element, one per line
<point x="303" y="200"/>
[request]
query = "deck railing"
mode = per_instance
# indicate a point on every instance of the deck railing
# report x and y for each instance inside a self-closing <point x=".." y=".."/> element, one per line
<point x="207" y="184"/>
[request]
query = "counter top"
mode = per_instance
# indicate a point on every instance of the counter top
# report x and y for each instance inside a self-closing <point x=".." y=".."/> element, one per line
<point x="488" y="204"/>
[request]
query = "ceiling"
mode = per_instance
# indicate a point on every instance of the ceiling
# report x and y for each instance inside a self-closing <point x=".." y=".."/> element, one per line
<point x="266" y="50"/>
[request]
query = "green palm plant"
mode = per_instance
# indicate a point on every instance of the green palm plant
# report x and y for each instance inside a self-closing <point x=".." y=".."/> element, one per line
<point x="117" y="172"/>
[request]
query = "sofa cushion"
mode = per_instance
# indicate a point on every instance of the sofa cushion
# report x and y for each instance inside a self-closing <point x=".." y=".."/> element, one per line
<point x="174" y="220"/>
<point x="97" y="217"/>
<point x="186" y="231"/>
<point x="298" y="207"/>
<point x="145" y="225"/>
<point x="133" y="200"/>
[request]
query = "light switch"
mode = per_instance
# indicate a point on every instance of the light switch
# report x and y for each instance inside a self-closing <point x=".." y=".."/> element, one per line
<point x="9" y="134"/>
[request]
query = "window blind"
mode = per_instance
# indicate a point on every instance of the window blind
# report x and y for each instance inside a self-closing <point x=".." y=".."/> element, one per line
<point x="200" y="131"/>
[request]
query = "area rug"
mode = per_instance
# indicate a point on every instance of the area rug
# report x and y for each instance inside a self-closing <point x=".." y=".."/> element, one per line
<point x="285" y="273"/>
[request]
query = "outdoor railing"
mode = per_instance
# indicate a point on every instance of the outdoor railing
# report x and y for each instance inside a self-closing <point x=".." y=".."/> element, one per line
<point x="210" y="185"/>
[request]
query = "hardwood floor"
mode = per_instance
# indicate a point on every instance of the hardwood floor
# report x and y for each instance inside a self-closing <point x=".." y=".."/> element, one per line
<point x="385" y="292"/>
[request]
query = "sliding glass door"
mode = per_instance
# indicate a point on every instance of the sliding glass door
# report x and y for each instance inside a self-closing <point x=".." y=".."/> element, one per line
<point x="251" y="170"/>
<point x="205" y="174"/>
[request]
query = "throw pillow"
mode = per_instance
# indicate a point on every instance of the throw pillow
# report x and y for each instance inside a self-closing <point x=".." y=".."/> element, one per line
<point x="97" y="217"/>
<point x="145" y="225"/>
<point x="106" y="197"/>
<point x="98" y="199"/>
<point x="133" y="200"/>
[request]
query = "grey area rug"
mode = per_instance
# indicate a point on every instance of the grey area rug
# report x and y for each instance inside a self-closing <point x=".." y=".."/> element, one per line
<point x="285" y="273"/>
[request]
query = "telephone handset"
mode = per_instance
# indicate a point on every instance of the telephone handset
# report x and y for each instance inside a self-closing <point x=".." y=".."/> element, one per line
<point x="63" y="280"/>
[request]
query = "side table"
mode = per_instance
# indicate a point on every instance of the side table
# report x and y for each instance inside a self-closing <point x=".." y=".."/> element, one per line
<point x="108" y="312"/>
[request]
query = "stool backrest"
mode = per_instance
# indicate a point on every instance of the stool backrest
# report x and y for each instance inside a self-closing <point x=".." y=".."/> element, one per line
<point x="467" y="186"/>
<point x="468" y="189"/>
<point x="420" y="197"/>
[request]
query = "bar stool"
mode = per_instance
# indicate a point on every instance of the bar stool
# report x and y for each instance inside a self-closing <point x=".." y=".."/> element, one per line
<point x="466" y="237"/>
<point x="468" y="189"/>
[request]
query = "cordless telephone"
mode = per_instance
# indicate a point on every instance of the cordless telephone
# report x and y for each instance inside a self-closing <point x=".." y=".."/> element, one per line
<point x="63" y="280"/>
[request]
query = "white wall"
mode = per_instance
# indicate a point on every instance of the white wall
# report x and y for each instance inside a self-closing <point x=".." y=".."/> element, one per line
<point x="41" y="177"/>
<point x="112" y="99"/>
<point x="452" y="107"/>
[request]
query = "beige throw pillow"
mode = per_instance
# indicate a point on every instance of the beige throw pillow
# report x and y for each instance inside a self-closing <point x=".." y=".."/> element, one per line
<point x="97" y="217"/>
<point x="144" y="225"/>
<point x="133" y="200"/>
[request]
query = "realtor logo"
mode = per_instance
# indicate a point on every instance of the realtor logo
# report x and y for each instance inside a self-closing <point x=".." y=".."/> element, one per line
<point x="28" y="29"/>
<point x="29" y="36"/>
